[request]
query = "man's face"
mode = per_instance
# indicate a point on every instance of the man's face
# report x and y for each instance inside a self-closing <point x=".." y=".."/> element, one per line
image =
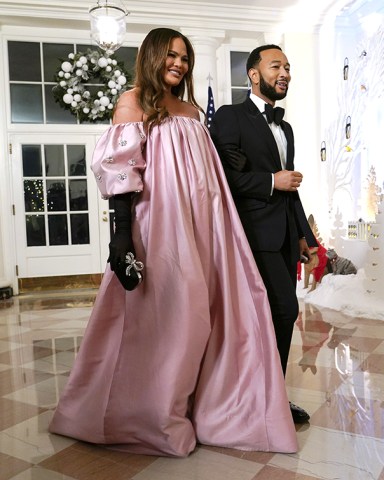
<point x="271" y="77"/>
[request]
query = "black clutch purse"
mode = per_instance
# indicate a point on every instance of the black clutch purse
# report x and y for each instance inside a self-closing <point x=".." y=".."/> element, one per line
<point x="129" y="272"/>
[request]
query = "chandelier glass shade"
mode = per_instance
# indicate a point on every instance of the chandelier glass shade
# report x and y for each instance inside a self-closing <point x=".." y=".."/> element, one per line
<point x="108" y="24"/>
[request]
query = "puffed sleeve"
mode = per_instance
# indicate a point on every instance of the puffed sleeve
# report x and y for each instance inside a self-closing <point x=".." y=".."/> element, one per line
<point x="118" y="162"/>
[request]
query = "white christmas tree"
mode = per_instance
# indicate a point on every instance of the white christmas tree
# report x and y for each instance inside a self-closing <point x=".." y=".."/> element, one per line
<point x="346" y="163"/>
<point x="372" y="195"/>
<point x="374" y="271"/>
<point x="337" y="233"/>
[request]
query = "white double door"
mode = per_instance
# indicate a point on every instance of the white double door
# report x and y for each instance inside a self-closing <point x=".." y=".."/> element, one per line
<point x="61" y="223"/>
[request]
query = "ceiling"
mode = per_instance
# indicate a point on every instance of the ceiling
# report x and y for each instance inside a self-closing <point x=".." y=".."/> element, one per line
<point x="221" y="18"/>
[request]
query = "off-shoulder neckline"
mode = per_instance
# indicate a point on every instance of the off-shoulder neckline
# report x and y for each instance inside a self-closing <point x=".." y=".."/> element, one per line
<point x="169" y="117"/>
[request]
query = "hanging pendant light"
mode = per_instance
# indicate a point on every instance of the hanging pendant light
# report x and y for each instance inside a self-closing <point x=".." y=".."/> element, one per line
<point x="108" y="25"/>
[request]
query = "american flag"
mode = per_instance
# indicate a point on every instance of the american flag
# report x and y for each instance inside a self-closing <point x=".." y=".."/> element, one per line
<point x="210" y="106"/>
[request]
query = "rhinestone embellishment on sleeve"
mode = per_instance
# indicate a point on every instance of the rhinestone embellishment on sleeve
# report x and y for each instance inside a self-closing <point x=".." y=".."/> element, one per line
<point x="122" y="176"/>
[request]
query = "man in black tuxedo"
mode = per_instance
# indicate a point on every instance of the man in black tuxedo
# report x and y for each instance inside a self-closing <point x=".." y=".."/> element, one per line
<point x="256" y="148"/>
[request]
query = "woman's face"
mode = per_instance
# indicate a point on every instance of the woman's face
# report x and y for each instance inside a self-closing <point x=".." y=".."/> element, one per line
<point x="176" y="64"/>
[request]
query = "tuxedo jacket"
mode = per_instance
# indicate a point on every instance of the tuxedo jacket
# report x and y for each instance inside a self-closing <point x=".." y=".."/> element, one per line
<point x="249" y="155"/>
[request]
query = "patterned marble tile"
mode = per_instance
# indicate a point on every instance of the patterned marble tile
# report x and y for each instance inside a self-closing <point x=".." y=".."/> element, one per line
<point x="331" y="454"/>
<point x="202" y="464"/>
<point x="38" y="473"/>
<point x="335" y="372"/>
<point x="11" y="466"/>
<point x="88" y="462"/>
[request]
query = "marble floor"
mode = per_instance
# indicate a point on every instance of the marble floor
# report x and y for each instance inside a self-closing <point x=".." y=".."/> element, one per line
<point x="336" y="372"/>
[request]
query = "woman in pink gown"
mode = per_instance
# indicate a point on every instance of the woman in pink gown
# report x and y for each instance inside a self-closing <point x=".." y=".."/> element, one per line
<point x="189" y="355"/>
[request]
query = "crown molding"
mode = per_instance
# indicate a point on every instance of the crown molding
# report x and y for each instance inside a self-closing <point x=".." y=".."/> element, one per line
<point x="244" y="20"/>
<point x="241" y="18"/>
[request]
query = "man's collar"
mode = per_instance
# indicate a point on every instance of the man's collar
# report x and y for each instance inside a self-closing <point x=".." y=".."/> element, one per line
<point x="259" y="102"/>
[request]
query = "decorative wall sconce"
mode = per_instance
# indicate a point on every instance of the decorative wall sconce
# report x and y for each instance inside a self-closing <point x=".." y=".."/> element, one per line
<point x="348" y="128"/>
<point x="323" y="152"/>
<point x="346" y="68"/>
<point x="108" y="25"/>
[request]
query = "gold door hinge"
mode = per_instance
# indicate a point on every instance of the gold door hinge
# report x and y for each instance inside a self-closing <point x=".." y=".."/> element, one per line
<point x="10" y="148"/>
<point x="13" y="210"/>
<point x="17" y="270"/>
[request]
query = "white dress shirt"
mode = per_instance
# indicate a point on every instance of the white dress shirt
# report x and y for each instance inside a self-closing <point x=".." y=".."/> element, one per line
<point x="277" y="132"/>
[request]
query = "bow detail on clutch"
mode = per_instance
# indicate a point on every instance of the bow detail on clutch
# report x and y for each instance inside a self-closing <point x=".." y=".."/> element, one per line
<point x="133" y="263"/>
<point x="129" y="276"/>
<point x="274" y="114"/>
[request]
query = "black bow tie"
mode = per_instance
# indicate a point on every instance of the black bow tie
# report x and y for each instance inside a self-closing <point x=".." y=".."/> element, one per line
<point x="274" y="114"/>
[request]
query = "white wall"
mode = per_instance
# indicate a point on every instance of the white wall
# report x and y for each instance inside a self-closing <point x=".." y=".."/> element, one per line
<point x="303" y="106"/>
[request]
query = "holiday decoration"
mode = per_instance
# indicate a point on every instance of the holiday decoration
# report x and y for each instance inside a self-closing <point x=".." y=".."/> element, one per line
<point x="338" y="232"/>
<point x="323" y="152"/>
<point x="373" y="194"/>
<point x="315" y="229"/>
<point x="348" y="128"/>
<point x="358" y="230"/>
<point x="351" y="148"/>
<point x="83" y="73"/>
<point x="346" y="68"/>
<point x="374" y="271"/>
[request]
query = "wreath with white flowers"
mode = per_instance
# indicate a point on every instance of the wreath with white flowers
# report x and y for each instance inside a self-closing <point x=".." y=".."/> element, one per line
<point x="73" y="92"/>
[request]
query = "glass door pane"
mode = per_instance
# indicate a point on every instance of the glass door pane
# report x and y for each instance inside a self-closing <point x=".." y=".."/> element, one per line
<point x="55" y="188"/>
<point x="61" y="222"/>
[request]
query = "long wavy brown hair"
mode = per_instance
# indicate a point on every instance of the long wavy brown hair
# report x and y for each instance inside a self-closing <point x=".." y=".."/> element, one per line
<point x="150" y="67"/>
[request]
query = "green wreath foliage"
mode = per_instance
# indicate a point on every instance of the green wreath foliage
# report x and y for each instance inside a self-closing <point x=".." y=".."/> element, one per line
<point x="73" y="91"/>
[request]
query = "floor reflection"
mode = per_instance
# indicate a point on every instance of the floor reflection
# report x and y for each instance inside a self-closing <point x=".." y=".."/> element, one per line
<point x="335" y="371"/>
<point x="316" y="332"/>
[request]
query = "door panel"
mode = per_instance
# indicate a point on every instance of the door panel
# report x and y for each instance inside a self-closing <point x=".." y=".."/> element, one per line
<point x="61" y="222"/>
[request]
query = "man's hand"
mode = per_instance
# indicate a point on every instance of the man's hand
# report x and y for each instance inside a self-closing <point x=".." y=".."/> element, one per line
<point x="304" y="249"/>
<point x="287" y="180"/>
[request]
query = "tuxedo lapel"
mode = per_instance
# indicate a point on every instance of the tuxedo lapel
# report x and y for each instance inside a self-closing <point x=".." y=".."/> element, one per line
<point x="262" y="130"/>
<point x="290" y="149"/>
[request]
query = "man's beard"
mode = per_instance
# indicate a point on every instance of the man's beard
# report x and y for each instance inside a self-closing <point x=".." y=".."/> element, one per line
<point x="268" y="91"/>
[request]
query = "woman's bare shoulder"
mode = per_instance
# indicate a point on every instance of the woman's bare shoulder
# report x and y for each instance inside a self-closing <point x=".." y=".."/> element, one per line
<point x="189" y="110"/>
<point x="128" y="108"/>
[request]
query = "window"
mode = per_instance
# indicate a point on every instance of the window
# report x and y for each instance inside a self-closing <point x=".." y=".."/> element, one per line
<point x="32" y="68"/>
<point x="239" y="78"/>
<point x="55" y="195"/>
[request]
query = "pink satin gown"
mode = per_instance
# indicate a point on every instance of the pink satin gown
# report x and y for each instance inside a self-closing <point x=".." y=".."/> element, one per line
<point x="190" y="355"/>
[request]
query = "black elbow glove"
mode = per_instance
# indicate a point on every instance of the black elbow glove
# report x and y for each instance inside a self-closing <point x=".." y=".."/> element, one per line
<point x="121" y="242"/>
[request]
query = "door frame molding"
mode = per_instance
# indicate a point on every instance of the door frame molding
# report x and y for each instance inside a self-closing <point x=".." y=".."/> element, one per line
<point x="99" y="228"/>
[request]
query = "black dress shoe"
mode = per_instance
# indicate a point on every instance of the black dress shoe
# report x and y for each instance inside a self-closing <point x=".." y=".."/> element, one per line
<point x="299" y="415"/>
